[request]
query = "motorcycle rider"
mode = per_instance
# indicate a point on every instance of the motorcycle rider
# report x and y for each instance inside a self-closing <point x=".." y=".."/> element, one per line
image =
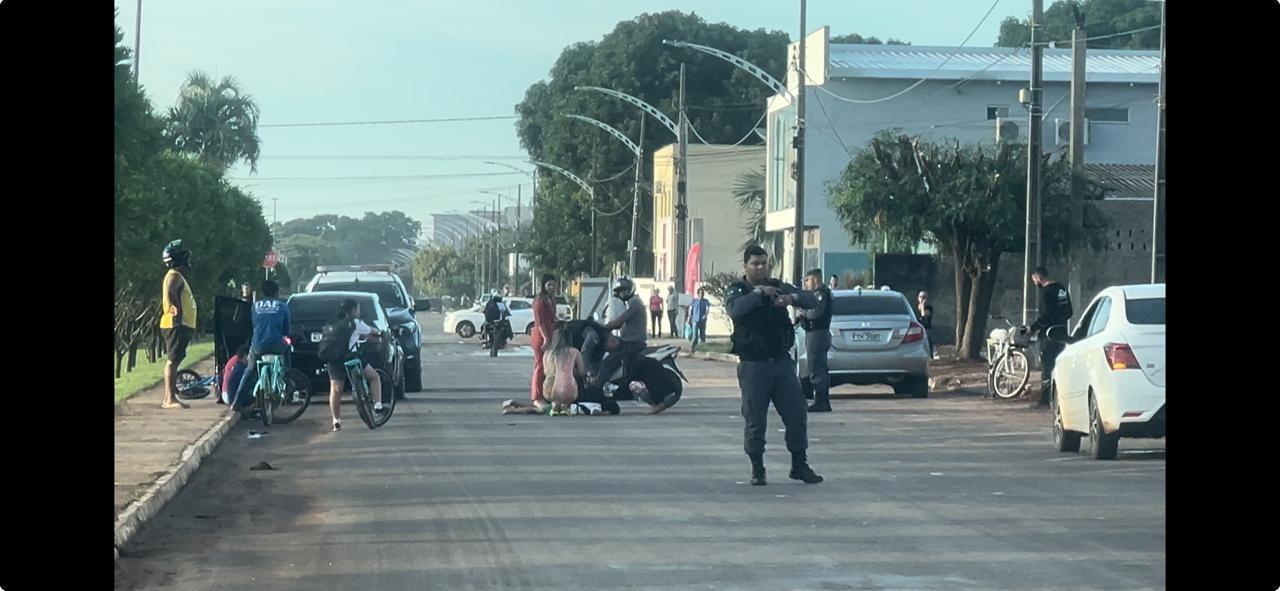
<point x="494" y="312"/>
<point x="633" y="336"/>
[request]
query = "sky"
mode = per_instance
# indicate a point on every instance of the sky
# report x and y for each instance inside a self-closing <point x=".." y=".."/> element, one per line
<point x="323" y="61"/>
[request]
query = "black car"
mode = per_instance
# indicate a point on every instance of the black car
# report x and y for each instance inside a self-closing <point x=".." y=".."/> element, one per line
<point x="399" y="305"/>
<point x="309" y="312"/>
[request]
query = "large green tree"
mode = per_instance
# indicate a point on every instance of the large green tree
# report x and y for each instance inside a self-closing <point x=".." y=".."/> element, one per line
<point x="1101" y="18"/>
<point x="633" y="60"/>
<point x="970" y="201"/>
<point x="216" y="121"/>
<point x="856" y="38"/>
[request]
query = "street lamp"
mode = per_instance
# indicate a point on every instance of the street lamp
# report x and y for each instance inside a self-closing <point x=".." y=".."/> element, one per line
<point x="797" y="99"/>
<point x="590" y="192"/>
<point x="635" y="197"/>
<point x="682" y="171"/>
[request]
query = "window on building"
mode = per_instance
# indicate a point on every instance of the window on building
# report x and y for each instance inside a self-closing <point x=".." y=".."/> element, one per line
<point x="997" y="112"/>
<point x="1107" y="115"/>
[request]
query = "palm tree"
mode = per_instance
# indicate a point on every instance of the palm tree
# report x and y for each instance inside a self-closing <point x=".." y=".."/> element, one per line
<point x="749" y="190"/>
<point x="215" y="121"/>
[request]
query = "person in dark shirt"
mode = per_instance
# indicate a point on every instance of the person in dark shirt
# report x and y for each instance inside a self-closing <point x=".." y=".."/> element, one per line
<point x="924" y="313"/>
<point x="1055" y="310"/>
<point x="654" y="384"/>
<point x="762" y="340"/>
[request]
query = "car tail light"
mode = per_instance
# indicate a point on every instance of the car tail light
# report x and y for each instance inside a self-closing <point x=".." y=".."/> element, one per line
<point x="1120" y="356"/>
<point x="915" y="333"/>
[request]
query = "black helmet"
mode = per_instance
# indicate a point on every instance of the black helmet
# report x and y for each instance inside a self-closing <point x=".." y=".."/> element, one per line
<point x="175" y="255"/>
<point x="624" y="287"/>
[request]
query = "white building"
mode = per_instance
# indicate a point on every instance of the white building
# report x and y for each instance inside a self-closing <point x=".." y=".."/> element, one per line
<point x="959" y="93"/>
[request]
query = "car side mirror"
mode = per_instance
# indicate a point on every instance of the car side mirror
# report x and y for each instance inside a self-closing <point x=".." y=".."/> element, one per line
<point x="422" y="306"/>
<point x="1058" y="334"/>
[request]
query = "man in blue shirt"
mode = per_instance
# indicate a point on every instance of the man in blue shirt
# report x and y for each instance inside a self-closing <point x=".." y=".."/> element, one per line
<point x="698" y="312"/>
<point x="270" y="326"/>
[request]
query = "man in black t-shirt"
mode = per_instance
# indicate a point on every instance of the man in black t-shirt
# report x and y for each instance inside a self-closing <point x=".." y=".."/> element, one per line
<point x="924" y="313"/>
<point x="654" y="384"/>
<point x="1055" y="310"/>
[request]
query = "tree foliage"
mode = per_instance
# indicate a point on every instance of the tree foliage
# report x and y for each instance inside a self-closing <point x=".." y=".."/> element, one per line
<point x="969" y="200"/>
<point x="633" y="60"/>
<point x="216" y="121"/>
<point x="1101" y="18"/>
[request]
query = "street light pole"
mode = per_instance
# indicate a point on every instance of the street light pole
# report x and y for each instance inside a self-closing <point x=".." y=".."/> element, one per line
<point x="1031" y="253"/>
<point x="137" y="42"/>
<point x="797" y="256"/>
<point x="1157" y="206"/>
<point x="639" y="154"/>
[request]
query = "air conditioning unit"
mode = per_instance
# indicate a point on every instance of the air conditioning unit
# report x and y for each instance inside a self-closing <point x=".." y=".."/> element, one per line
<point x="1007" y="131"/>
<point x="1063" y="135"/>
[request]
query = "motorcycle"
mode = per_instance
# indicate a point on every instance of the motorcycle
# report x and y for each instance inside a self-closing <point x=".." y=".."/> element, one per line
<point x="495" y="338"/>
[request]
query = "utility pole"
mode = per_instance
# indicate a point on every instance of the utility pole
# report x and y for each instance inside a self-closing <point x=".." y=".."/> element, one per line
<point x="1157" y="206"/>
<point x="1076" y="231"/>
<point x="797" y="256"/>
<point x="274" y="209"/>
<point x="137" y="42"/>
<point x="635" y="203"/>
<point x="682" y="181"/>
<point x="515" y="269"/>
<point x="1031" y="255"/>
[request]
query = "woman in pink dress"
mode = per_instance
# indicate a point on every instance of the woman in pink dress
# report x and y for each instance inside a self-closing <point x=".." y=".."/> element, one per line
<point x="544" y="323"/>
<point x="564" y="368"/>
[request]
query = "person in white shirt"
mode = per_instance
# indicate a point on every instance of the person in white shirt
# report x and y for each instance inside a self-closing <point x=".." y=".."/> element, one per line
<point x="349" y="311"/>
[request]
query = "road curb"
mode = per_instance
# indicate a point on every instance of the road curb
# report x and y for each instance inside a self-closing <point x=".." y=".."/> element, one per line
<point x="167" y="486"/>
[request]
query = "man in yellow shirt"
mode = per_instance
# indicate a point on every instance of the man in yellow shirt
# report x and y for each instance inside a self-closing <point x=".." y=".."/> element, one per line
<point x="178" y="317"/>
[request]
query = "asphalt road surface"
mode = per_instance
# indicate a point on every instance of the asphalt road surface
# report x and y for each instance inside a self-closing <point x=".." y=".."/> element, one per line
<point x="953" y="492"/>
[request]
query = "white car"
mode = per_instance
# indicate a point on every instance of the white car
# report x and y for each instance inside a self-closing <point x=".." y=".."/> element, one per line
<point x="466" y="323"/>
<point x="1109" y="380"/>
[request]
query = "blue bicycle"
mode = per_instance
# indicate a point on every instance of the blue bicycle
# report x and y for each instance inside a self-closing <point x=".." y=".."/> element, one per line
<point x="281" y="395"/>
<point x="364" y="399"/>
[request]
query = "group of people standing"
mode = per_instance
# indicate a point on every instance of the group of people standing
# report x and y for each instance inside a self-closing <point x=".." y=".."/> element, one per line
<point x="696" y="318"/>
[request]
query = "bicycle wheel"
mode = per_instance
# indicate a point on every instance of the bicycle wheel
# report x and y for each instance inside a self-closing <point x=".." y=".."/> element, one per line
<point x="360" y="395"/>
<point x="265" y="407"/>
<point x="297" y="396"/>
<point x="388" y="396"/>
<point x="1011" y="374"/>
<point x="185" y="381"/>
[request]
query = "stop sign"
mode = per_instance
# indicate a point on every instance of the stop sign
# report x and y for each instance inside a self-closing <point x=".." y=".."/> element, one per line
<point x="270" y="260"/>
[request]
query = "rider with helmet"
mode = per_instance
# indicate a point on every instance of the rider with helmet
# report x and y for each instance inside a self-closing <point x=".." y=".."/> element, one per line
<point x="177" y="317"/>
<point x="633" y="335"/>
<point x="495" y="310"/>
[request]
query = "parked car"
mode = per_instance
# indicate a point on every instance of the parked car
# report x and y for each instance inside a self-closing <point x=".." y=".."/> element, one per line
<point x="875" y="339"/>
<point x="563" y="310"/>
<point x="400" y="306"/>
<point x="309" y="312"/>
<point x="1109" y="380"/>
<point x="466" y="323"/>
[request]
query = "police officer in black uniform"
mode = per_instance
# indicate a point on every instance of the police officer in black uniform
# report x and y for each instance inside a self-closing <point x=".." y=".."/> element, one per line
<point x="817" y="341"/>
<point x="1055" y="310"/>
<point x="762" y="340"/>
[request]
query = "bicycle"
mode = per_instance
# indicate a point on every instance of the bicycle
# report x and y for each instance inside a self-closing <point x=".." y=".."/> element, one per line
<point x="360" y="391"/>
<point x="278" y="387"/>
<point x="1007" y="366"/>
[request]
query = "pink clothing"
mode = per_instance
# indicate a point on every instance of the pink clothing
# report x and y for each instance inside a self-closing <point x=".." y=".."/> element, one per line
<point x="561" y="386"/>
<point x="544" y="319"/>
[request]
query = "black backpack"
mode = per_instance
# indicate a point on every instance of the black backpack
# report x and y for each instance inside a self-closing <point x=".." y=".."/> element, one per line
<point x="334" y="340"/>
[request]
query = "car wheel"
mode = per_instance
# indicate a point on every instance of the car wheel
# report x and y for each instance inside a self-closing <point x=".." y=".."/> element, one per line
<point x="1104" y="446"/>
<point x="413" y="377"/>
<point x="1063" y="440"/>
<point x="466" y="330"/>
<point x="528" y="330"/>
<point x="916" y="386"/>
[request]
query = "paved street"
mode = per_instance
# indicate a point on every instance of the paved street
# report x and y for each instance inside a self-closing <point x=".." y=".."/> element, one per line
<point x="952" y="492"/>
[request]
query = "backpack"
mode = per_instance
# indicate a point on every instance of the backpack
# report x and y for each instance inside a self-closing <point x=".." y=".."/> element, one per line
<point x="334" y="340"/>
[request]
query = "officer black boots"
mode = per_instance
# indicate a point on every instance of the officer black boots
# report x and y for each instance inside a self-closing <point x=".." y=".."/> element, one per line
<point x="800" y="469"/>
<point x="757" y="469"/>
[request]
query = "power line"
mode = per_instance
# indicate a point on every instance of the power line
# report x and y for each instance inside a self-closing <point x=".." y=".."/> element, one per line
<point x="1121" y="33"/>
<point x="366" y="178"/>
<point x="823" y="88"/>
<point x="744" y="138"/>
<point x="384" y="157"/>
<point x="391" y="121"/>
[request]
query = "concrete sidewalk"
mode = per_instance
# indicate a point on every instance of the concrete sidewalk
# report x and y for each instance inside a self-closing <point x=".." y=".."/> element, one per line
<point x="157" y="450"/>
